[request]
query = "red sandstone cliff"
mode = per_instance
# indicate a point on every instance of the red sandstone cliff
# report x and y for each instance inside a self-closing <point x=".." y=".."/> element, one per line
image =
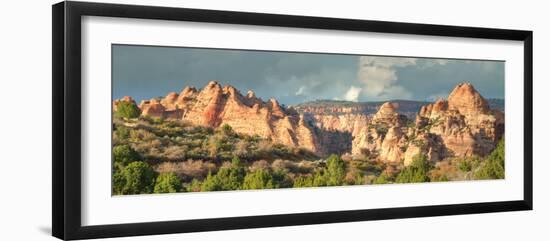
<point x="463" y="125"/>
<point x="215" y="105"/>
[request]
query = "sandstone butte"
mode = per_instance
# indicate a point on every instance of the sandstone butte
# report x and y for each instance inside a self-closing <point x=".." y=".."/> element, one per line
<point x="214" y="106"/>
<point x="461" y="126"/>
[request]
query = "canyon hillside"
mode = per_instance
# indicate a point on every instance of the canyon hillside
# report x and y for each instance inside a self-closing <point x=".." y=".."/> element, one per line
<point x="463" y="125"/>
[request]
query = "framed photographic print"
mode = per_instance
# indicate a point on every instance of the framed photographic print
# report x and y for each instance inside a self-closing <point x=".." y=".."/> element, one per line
<point x="170" y="120"/>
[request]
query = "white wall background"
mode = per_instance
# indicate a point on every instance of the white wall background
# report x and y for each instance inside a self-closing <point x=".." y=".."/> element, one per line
<point x="25" y="119"/>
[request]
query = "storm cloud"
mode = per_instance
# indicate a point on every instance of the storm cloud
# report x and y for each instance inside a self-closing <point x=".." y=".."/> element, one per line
<point x="144" y="72"/>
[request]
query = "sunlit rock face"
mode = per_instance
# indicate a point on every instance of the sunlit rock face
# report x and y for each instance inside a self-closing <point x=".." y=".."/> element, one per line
<point x="460" y="126"/>
<point x="384" y="136"/>
<point x="214" y="106"/>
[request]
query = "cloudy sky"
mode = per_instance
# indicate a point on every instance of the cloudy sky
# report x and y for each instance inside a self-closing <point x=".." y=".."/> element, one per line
<point x="146" y="72"/>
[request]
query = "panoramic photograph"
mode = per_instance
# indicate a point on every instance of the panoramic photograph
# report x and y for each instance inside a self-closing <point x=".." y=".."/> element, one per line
<point x="200" y="120"/>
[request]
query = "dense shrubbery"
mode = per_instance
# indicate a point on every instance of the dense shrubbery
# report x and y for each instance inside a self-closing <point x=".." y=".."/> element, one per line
<point x="335" y="172"/>
<point x="167" y="183"/>
<point x="171" y="140"/>
<point x="126" y="109"/>
<point x="164" y="156"/>
<point x="123" y="155"/>
<point x="259" y="179"/>
<point x="382" y="179"/>
<point x="416" y="172"/>
<point x="135" y="178"/>
<point x="333" y="175"/>
<point x="228" y="178"/>
<point x="493" y="167"/>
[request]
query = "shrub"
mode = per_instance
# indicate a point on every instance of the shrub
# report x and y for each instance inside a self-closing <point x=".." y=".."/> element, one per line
<point x="493" y="166"/>
<point x="303" y="181"/>
<point x="194" y="186"/>
<point x="126" y="109"/>
<point x="259" y="179"/>
<point x="124" y="154"/>
<point x="332" y="175"/>
<point x="241" y="148"/>
<point x="382" y="179"/>
<point x="188" y="169"/>
<point x="442" y="178"/>
<point x="336" y="171"/>
<point x="320" y="178"/>
<point x="136" y="178"/>
<point x="227" y="130"/>
<point x="214" y="146"/>
<point x="122" y="132"/>
<point x="257" y="165"/>
<point x="141" y="135"/>
<point x="281" y="179"/>
<point x="446" y="170"/>
<point x="175" y="153"/>
<point x="211" y="183"/>
<point x="380" y="129"/>
<point x="228" y="178"/>
<point x="167" y="183"/>
<point x="416" y="172"/>
<point x="354" y="177"/>
<point x="465" y="165"/>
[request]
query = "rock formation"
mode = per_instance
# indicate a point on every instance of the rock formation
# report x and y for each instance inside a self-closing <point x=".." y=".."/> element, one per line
<point x="123" y="99"/>
<point x="214" y="106"/>
<point x="463" y="125"/>
<point x="384" y="136"/>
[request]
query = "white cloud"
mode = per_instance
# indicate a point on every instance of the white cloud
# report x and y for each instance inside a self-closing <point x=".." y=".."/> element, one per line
<point x="352" y="94"/>
<point x="379" y="77"/>
<point x="301" y="90"/>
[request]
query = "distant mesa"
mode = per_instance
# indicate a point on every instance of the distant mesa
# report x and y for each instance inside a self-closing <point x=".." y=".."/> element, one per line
<point x="465" y="124"/>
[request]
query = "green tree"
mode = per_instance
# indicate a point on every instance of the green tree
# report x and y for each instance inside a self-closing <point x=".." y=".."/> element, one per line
<point x="227" y="178"/>
<point x="194" y="186"/>
<point x="416" y="172"/>
<point x="136" y="178"/>
<point x="124" y="154"/>
<point x="493" y="166"/>
<point x="259" y="179"/>
<point x="465" y="165"/>
<point x="303" y="181"/>
<point x="320" y="178"/>
<point x="281" y="179"/>
<point x="167" y="183"/>
<point x="126" y="109"/>
<point x="211" y="183"/>
<point x="227" y="130"/>
<point x="122" y="132"/>
<point x="336" y="171"/>
<point x="382" y="179"/>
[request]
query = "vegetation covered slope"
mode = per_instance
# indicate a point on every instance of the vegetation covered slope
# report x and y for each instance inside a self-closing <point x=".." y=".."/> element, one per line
<point x="160" y="156"/>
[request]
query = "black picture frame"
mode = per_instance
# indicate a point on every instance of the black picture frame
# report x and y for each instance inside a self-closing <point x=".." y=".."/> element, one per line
<point x="66" y="127"/>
